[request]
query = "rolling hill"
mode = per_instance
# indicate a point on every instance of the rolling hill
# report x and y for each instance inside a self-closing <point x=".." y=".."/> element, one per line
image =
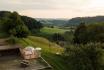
<point x="54" y="22"/>
<point x="41" y="42"/>
<point x="50" y="51"/>
<point x="87" y="20"/>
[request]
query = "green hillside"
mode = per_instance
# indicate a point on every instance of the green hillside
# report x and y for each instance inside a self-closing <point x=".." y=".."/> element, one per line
<point x="49" y="51"/>
<point x="87" y="20"/>
<point x="17" y="29"/>
<point x="43" y="43"/>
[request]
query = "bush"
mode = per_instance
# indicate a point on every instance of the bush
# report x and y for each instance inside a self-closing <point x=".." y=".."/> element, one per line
<point x="85" y="57"/>
<point x="15" y="26"/>
<point x="89" y="33"/>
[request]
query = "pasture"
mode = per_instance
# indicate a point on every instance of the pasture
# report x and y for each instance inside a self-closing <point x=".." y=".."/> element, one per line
<point x="53" y="30"/>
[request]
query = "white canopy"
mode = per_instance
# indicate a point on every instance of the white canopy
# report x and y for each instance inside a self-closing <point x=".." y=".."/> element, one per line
<point x="29" y="50"/>
<point x="38" y="48"/>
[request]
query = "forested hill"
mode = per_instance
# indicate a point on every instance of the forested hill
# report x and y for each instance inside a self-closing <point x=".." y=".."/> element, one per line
<point x="31" y="23"/>
<point x="87" y="20"/>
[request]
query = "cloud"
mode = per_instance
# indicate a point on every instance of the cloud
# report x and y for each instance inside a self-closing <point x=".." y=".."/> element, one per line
<point x="54" y="8"/>
<point x="40" y="4"/>
<point x="25" y="4"/>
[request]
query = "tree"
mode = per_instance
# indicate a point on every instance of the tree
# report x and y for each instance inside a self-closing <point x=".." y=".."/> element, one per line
<point x="32" y="24"/>
<point x="80" y="34"/>
<point x="96" y="32"/>
<point x="85" y="57"/>
<point x="89" y="33"/>
<point x="57" y="37"/>
<point x="15" y="26"/>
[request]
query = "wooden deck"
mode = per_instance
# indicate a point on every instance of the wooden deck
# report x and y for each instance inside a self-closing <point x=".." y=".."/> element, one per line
<point x="13" y="63"/>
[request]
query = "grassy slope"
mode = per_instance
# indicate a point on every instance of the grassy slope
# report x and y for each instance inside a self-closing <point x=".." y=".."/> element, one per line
<point x="49" y="53"/>
<point x="41" y="42"/>
<point x="56" y="61"/>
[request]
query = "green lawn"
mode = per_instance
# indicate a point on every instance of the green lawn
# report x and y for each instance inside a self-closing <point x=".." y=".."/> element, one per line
<point x="53" y="30"/>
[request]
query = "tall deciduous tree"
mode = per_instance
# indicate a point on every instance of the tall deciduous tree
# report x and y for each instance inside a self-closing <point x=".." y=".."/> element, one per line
<point x="89" y="33"/>
<point x="85" y="57"/>
<point x="80" y="34"/>
<point x="15" y="26"/>
<point x="32" y="24"/>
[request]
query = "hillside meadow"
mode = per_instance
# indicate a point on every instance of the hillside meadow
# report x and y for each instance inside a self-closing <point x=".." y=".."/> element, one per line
<point x="53" y="30"/>
<point x="50" y="51"/>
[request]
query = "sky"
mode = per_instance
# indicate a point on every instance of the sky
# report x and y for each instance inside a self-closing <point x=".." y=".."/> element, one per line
<point x="54" y="8"/>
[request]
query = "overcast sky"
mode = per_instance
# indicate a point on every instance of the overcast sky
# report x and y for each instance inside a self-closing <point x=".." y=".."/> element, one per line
<point x="54" y="8"/>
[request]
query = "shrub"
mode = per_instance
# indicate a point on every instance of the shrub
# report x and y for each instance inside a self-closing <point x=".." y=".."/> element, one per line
<point x="85" y="57"/>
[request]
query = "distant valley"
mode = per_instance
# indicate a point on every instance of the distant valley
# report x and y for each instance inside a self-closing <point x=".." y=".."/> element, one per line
<point x="73" y="21"/>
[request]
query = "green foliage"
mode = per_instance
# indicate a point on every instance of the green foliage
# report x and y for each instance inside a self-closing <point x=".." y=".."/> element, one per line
<point x="89" y="20"/>
<point x="95" y="32"/>
<point x="15" y="26"/>
<point x="57" y="37"/>
<point x="68" y="35"/>
<point x="89" y="33"/>
<point x="80" y="34"/>
<point x="32" y="24"/>
<point x="48" y="32"/>
<point x="85" y="57"/>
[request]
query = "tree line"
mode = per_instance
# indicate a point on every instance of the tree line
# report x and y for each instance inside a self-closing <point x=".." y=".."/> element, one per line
<point x="16" y="25"/>
<point x="89" y="33"/>
<point x="87" y="49"/>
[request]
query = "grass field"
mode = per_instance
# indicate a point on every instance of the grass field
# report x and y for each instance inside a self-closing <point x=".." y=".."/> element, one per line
<point x="56" y="61"/>
<point x="49" y="51"/>
<point x="53" y="30"/>
<point x="43" y="43"/>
